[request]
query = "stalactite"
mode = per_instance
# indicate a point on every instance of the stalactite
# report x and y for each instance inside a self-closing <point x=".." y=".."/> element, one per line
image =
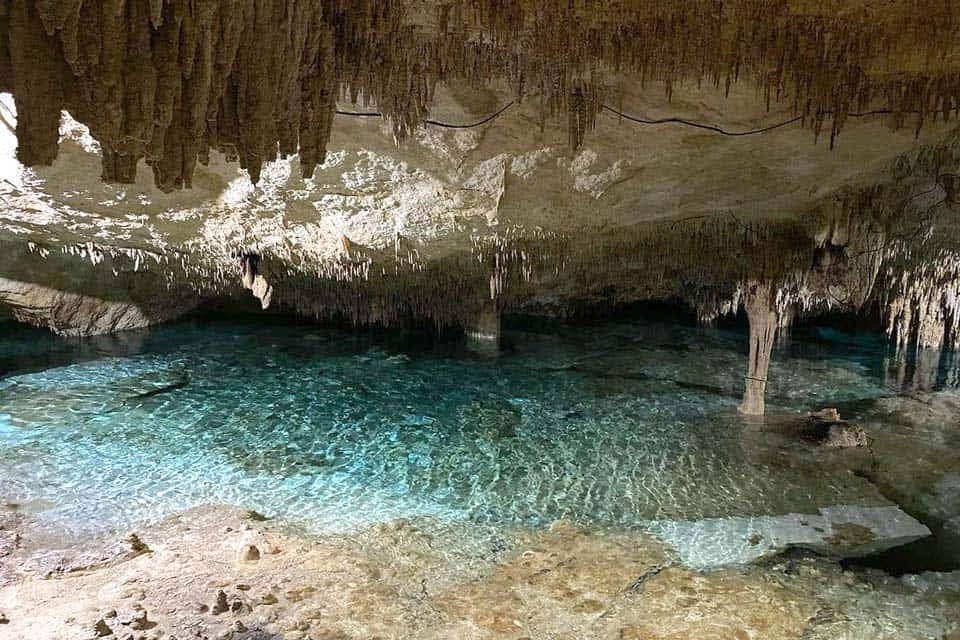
<point x="165" y="80"/>
<point x="863" y="248"/>
<point x="709" y="264"/>
<point x="922" y="304"/>
<point x="40" y="90"/>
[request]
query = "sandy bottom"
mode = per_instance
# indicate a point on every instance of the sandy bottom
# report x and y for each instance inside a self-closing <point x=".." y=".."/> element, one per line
<point x="222" y="572"/>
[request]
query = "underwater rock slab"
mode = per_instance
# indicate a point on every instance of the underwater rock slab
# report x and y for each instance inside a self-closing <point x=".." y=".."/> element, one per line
<point x="840" y="531"/>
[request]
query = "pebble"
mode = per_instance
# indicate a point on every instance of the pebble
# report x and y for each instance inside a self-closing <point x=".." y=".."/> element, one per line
<point x="136" y="544"/>
<point x="101" y="628"/>
<point x="296" y="595"/>
<point x="220" y="605"/>
<point x="249" y="553"/>
<point x="268" y="599"/>
<point x="134" y="594"/>
<point x="310" y="613"/>
<point x="4" y="619"/>
<point x="288" y="625"/>
<point x="135" y="618"/>
<point x="270" y="618"/>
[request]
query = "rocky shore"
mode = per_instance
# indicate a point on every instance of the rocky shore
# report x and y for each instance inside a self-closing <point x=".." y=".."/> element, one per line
<point x="219" y="572"/>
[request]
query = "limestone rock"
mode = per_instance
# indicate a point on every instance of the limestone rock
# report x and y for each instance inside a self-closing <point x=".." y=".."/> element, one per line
<point x="134" y="617"/>
<point x="838" y="531"/>
<point x="827" y="429"/>
<point x="258" y="84"/>
<point x="136" y="544"/>
<point x="220" y="604"/>
<point x="73" y="314"/>
<point x="951" y="533"/>
<point x="61" y="562"/>
<point x="249" y="553"/>
<point x="101" y="628"/>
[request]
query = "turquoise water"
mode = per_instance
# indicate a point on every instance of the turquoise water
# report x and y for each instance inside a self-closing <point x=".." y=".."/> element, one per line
<point x="610" y="425"/>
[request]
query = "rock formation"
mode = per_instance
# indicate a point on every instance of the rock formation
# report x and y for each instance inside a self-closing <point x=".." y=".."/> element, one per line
<point x="762" y="315"/>
<point x="824" y="427"/>
<point x="550" y="160"/>
<point x="72" y="314"/>
<point x="254" y="282"/>
<point x="257" y="79"/>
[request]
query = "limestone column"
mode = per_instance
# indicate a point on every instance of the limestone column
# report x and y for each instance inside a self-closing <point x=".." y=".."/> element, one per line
<point x="484" y="333"/>
<point x="762" y="315"/>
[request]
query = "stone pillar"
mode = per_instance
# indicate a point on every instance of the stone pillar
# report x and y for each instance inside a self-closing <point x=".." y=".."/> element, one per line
<point x="762" y="315"/>
<point x="484" y="333"/>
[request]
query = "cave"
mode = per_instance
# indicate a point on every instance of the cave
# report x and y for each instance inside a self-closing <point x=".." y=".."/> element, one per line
<point x="479" y="319"/>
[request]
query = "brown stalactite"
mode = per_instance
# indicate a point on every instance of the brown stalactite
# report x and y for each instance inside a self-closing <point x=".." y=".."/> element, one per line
<point x="165" y="80"/>
<point x="37" y="85"/>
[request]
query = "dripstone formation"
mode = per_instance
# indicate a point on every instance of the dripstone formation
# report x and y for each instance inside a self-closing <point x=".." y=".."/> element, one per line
<point x="166" y="81"/>
<point x="782" y="158"/>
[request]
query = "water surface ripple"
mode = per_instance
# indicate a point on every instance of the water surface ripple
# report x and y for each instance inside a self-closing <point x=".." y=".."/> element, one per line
<point x="609" y="426"/>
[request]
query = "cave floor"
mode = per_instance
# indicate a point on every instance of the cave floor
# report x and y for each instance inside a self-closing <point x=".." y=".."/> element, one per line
<point x="421" y="579"/>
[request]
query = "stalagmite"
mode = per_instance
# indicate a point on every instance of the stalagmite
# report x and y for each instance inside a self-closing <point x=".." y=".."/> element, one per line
<point x="762" y="314"/>
<point x="484" y="333"/>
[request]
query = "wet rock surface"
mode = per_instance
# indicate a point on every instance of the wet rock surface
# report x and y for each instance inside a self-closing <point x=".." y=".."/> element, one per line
<point x="838" y="531"/>
<point x="910" y="463"/>
<point x="424" y="578"/>
<point x="825" y="428"/>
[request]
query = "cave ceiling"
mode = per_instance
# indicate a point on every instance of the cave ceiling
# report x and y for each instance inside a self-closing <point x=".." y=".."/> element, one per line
<point x="349" y="138"/>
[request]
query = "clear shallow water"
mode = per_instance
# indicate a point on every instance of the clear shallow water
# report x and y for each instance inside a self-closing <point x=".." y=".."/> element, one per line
<point x="612" y="426"/>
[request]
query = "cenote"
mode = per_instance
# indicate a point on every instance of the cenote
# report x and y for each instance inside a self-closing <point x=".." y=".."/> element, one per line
<point x="616" y="425"/>
<point x="479" y="320"/>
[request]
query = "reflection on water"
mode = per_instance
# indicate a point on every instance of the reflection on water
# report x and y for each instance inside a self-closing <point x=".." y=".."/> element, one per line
<point x="611" y="426"/>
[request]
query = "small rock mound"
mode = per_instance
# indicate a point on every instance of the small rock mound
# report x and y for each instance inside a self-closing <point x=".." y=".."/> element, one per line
<point x="249" y="553"/>
<point x="826" y="428"/>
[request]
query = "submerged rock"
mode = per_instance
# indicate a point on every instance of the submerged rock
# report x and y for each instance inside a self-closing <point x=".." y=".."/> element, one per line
<point x="840" y="531"/>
